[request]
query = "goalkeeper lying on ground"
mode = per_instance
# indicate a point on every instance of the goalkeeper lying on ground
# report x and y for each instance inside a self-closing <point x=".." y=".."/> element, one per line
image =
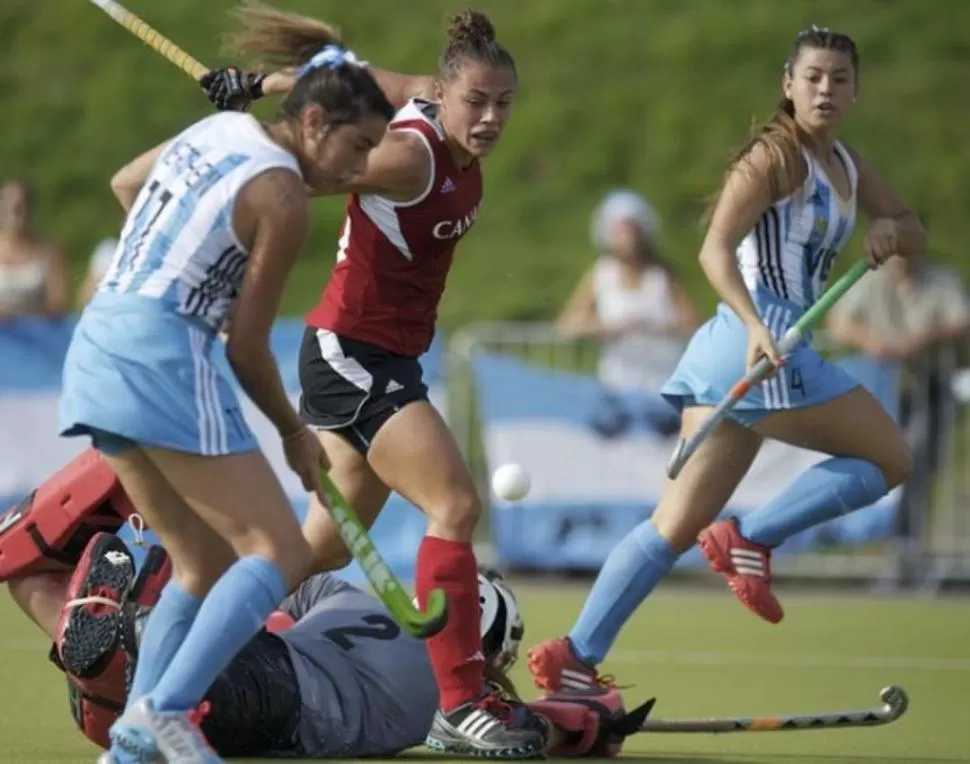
<point x="332" y="675"/>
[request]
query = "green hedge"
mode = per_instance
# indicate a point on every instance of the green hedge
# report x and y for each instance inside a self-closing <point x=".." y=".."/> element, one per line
<point x="651" y="94"/>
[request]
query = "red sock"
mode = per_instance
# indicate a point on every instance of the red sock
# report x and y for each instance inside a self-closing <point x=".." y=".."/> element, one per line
<point x="455" y="651"/>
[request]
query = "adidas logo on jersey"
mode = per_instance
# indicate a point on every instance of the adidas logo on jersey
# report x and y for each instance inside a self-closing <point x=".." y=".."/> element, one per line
<point x="448" y="186"/>
<point x="393" y="386"/>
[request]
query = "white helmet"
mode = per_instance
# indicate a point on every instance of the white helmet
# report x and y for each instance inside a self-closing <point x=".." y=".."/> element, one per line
<point x="502" y="626"/>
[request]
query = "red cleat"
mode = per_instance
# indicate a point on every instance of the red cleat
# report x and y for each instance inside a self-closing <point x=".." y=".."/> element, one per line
<point x="555" y="668"/>
<point x="745" y="565"/>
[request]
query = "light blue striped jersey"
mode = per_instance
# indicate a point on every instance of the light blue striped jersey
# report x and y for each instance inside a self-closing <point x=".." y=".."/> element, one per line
<point x="178" y="244"/>
<point x="791" y="250"/>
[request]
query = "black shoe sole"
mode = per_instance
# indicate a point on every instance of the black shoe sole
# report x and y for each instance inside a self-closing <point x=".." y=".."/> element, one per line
<point x="90" y="636"/>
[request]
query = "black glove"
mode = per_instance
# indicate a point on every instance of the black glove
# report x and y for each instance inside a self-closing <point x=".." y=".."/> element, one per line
<point x="231" y="88"/>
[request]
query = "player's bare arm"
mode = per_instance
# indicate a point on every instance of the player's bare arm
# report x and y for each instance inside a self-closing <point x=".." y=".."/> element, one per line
<point x="398" y="169"/>
<point x="744" y="199"/>
<point x="272" y="210"/>
<point x="399" y="88"/>
<point x="127" y="182"/>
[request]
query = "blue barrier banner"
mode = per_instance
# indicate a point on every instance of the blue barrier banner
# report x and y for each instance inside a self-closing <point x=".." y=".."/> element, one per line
<point x="31" y="355"/>
<point x="597" y="460"/>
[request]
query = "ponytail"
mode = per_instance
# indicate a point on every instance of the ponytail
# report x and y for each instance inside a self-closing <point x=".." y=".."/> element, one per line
<point x="328" y="75"/>
<point x="782" y="141"/>
<point x="277" y="38"/>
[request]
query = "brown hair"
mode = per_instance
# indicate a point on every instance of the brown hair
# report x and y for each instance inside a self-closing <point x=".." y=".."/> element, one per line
<point x="471" y="37"/>
<point x="345" y="89"/>
<point x="780" y="136"/>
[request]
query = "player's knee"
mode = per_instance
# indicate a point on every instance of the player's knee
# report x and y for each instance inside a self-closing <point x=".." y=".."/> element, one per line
<point x="198" y="576"/>
<point x="456" y="517"/>
<point x="198" y="562"/>
<point x="292" y="556"/>
<point x="332" y="555"/>
<point x="896" y="463"/>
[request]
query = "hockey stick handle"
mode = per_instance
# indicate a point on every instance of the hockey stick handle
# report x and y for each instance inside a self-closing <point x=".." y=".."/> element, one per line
<point x="894" y="699"/>
<point x="152" y="38"/>
<point x="686" y="447"/>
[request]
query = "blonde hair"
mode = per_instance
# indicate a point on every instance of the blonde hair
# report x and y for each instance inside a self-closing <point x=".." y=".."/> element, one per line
<point x="277" y="38"/>
<point x="342" y="86"/>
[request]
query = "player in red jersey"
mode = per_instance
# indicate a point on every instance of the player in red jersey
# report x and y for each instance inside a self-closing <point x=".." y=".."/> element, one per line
<point x="362" y="383"/>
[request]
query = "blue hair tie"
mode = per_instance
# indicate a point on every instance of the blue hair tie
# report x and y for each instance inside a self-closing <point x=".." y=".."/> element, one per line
<point x="332" y="57"/>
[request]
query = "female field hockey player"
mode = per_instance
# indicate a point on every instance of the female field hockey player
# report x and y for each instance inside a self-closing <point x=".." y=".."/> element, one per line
<point x="787" y="207"/>
<point x="216" y="217"/>
<point x="362" y="385"/>
<point x="331" y="676"/>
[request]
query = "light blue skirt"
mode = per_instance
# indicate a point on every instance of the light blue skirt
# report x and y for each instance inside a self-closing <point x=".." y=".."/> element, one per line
<point x="715" y="359"/>
<point x="137" y="373"/>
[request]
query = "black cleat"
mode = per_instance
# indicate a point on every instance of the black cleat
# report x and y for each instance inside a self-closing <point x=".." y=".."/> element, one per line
<point x="488" y="728"/>
<point x="88" y="629"/>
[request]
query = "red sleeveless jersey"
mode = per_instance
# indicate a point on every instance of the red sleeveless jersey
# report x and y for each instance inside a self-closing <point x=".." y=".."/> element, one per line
<point x="393" y="257"/>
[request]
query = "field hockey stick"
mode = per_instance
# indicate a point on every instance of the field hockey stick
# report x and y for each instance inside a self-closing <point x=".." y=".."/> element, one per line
<point x="352" y="531"/>
<point x="153" y="39"/>
<point x="385" y="584"/>
<point x="894" y="699"/>
<point x="686" y="447"/>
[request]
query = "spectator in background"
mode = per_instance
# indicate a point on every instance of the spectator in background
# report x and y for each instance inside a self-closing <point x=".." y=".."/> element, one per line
<point x="912" y="311"/>
<point x="98" y="265"/>
<point x="630" y="297"/>
<point x="33" y="270"/>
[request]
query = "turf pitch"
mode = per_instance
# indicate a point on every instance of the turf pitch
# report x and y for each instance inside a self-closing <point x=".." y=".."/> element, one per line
<point x="698" y="651"/>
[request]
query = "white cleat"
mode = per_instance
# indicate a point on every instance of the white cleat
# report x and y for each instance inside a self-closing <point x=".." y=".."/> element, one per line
<point x="109" y="758"/>
<point x="150" y="736"/>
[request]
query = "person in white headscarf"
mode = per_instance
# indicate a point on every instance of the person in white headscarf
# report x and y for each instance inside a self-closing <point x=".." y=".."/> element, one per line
<point x="630" y="297"/>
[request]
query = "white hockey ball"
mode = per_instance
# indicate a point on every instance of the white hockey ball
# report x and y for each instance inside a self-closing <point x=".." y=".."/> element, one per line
<point x="511" y="482"/>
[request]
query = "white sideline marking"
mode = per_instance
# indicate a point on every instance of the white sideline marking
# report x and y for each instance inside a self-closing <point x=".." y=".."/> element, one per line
<point x="788" y="660"/>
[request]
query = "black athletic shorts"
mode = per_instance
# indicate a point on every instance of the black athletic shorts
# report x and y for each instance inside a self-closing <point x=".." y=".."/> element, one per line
<point x="352" y="388"/>
<point x="254" y="705"/>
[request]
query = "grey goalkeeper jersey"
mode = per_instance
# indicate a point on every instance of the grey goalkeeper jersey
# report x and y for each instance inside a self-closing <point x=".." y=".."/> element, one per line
<point x="366" y="686"/>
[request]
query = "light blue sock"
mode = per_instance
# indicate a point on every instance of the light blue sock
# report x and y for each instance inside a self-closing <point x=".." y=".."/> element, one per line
<point x="634" y="567"/>
<point x="165" y="630"/>
<point x="831" y="488"/>
<point x="233" y="612"/>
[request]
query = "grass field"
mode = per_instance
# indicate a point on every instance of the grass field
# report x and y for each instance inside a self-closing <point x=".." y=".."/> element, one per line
<point x="699" y="652"/>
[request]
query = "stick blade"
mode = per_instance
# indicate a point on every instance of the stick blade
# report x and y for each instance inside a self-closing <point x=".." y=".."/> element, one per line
<point x="422" y="625"/>
<point x="896" y="700"/>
